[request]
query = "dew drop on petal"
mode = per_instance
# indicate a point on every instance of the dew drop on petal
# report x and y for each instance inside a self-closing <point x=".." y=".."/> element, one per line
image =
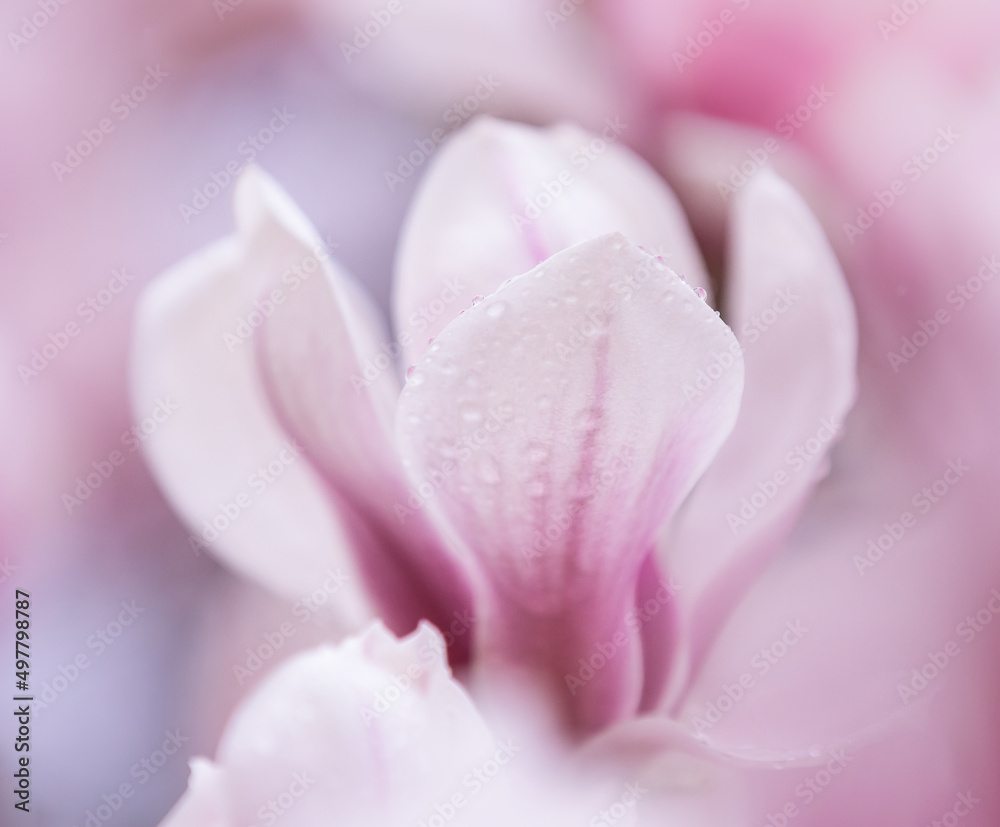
<point x="447" y="364"/>
<point x="496" y="309"/>
<point x="702" y="292"/>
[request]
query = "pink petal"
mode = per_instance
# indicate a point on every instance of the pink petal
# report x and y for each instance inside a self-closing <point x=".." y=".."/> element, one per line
<point x="471" y="226"/>
<point x="793" y="313"/>
<point x="334" y="387"/>
<point x="374" y="731"/>
<point x="552" y="423"/>
<point x="823" y="650"/>
<point x="687" y="782"/>
<point x="708" y="161"/>
<point x="207" y="455"/>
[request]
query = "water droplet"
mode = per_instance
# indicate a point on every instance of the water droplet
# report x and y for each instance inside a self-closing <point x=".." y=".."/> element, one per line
<point x="430" y="341"/>
<point x="476" y="300"/>
<point x="414" y="377"/>
<point x="701" y="292"/>
<point x="496" y="309"/>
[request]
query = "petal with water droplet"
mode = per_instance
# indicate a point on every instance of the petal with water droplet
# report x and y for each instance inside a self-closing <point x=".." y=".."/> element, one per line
<point x="563" y="540"/>
<point x="476" y="219"/>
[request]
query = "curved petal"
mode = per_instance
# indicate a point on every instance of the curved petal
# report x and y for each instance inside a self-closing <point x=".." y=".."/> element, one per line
<point x="824" y="653"/>
<point x="501" y="197"/>
<point x="792" y="312"/>
<point x="213" y="436"/>
<point x="335" y="390"/>
<point x="557" y="424"/>
<point x="375" y="731"/>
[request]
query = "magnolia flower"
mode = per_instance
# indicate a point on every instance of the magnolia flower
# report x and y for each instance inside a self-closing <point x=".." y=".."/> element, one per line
<point x="572" y="484"/>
